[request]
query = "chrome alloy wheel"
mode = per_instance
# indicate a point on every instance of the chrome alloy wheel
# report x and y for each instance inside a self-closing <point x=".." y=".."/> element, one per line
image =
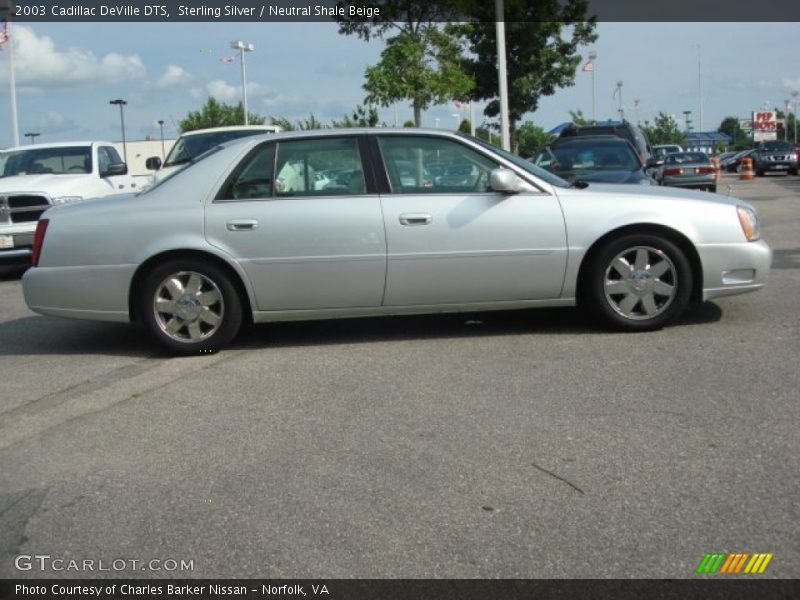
<point x="640" y="283"/>
<point x="188" y="306"/>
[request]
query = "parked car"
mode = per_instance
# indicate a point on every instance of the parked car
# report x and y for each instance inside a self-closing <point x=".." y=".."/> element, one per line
<point x="215" y="244"/>
<point x="34" y="178"/>
<point x="192" y="144"/>
<point x="661" y="151"/>
<point x="688" y="169"/>
<point x="599" y="158"/>
<point x="624" y="130"/>
<point x="775" y="156"/>
<point x="732" y="164"/>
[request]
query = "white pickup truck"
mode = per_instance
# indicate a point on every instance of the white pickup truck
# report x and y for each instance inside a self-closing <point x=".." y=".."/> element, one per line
<point x="34" y="178"/>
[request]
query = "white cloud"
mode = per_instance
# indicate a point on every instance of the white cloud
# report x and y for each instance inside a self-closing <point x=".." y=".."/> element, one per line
<point x="174" y="76"/>
<point x="38" y="64"/>
<point x="223" y="91"/>
<point x="791" y="84"/>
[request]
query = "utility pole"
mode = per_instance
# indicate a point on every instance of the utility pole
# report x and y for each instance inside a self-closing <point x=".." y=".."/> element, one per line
<point x="502" y="75"/>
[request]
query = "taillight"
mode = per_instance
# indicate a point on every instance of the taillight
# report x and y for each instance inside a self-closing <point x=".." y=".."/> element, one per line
<point x="38" y="240"/>
<point x="705" y="170"/>
<point x="673" y="171"/>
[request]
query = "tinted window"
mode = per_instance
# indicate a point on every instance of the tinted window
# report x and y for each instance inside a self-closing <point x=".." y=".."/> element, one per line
<point x="416" y="164"/>
<point x="59" y="161"/>
<point x="687" y="157"/>
<point x="781" y="146"/>
<point x="319" y="167"/>
<point x="595" y="156"/>
<point x="254" y="178"/>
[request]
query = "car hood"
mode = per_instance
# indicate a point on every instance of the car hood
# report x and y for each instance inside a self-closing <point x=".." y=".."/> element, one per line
<point x="662" y="192"/>
<point x="54" y="185"/>
<point x="604" y="176"/>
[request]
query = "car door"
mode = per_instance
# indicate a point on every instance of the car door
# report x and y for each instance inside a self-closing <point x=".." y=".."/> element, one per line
<point x="305" y="242"/>
<point x="451" y="239"/>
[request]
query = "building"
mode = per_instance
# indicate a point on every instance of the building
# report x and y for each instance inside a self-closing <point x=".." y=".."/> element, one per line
<point x="140" y="150"/>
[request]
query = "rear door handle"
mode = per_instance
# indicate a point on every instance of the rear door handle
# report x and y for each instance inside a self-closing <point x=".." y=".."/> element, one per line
<point x="242" y="225"/>
<point x="412" y="219"/>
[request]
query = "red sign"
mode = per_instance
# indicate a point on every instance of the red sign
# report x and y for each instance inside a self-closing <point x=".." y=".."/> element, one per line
<point x="765" y="124"/>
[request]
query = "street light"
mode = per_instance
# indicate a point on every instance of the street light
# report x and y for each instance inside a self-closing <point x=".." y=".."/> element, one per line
<point x="794" y="97"/>
<point x="120" y="102"/>
<point x="32" y="135"/>
<point x="161" y="124"/>
<point x="243" y="47"/>
<point x="592" y="58"/>
<point x="619" y="110"/>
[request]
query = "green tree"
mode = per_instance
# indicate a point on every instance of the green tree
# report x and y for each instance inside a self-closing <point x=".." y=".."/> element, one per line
<point x="421" y="63"/>
<point x="542" y="39"/>
<point x="577" y="118"/>
<point x="465" y="126"/>
<point x="730" y="126"/>
<point x="360" y="117"/>
<point x="532" y="138"/>
<point x="217" y="114"/>
<point x="664" y="130"/>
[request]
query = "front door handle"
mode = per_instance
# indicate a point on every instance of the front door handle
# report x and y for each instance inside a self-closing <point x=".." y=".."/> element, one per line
<point x="242" y="225"/>
<point x="415" y="219"/>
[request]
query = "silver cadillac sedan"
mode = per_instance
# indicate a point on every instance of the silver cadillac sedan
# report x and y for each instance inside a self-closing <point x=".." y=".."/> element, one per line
<point x="352" y="223"/>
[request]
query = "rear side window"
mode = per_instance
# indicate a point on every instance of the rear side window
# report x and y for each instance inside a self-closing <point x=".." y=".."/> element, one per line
<point x="319" y="167"/>
<point x="254" y="178"/>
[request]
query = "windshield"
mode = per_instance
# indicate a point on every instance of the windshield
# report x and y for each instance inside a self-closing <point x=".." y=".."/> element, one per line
<point x="594" y="156"/>
<point x="66" y="160"/>
<point x="170" y="176"/>
<point x="525" y="165"/>
<point x="189" y="146"/>
<point x="781" y="146"/>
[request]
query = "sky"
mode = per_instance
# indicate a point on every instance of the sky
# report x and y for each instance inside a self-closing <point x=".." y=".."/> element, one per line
<point x="67" y="72"/>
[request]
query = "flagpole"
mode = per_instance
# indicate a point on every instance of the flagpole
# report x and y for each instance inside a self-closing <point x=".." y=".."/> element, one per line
<point x="12" y="87"/>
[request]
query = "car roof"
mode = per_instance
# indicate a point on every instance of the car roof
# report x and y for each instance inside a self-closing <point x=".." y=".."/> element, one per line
<point x="336" y="132"/>
<point x="57" y="145"/>
<point x="585" y="139"/>
<point x="269" y="128"/>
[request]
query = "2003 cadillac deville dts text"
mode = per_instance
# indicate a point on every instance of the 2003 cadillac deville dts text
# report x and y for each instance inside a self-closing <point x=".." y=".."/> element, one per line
<point x="345" y="223"/>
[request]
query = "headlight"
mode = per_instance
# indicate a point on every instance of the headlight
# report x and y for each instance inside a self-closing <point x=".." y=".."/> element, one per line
<point x="749" y="222"/>
<point x="66" y="200"/>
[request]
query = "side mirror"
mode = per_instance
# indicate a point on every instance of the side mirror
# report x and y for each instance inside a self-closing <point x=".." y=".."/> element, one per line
<point x="153" y="163"/>
<point x="115" y="169"/>
<point x="505" y="180"/>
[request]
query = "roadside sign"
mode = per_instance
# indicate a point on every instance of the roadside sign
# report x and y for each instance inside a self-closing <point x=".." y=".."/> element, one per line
<point x="765" y="126"/>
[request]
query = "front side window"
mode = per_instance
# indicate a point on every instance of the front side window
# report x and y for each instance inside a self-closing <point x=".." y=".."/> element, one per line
<point x="319" y="167"/>
<point x="419" y="164"/>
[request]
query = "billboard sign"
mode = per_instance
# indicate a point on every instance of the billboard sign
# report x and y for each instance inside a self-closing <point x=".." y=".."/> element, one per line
<point x="765" y="126"/>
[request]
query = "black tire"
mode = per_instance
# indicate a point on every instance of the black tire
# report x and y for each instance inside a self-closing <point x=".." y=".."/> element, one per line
<point x="712" y="189"/>
<point x="760" y="173"/>
<point x="601" y="277"/>
<point x="793" y="172"/>
<point x="216" y="298"/>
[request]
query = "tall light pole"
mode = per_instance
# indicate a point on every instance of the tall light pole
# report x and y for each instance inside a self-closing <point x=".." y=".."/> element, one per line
<point x="6" y="8"/>
<point x="32" y="135"/>
<point x="161" y="125"/>
<point x="120" y="102"/>
<point x="794" y="97"/>
<point x="619" y="109"/>
<point x="700" y="86"/>
<point x="502" y="75"/>
<point x="243" y="47"/>
<point x="592" y="58"/>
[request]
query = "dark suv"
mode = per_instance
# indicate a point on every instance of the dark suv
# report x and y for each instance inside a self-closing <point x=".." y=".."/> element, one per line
<point x="624" y="130"/>
<point x="775" y="156"/>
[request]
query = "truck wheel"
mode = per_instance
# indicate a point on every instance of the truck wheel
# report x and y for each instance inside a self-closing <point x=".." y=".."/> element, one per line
<point x="638" y="282"/>
<point x="190" y="306"/>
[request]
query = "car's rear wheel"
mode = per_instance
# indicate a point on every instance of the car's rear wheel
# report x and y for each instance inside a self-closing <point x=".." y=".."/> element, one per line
<point x="638" y="282"/>
<point x="190" y="306"/>
<point x="712" y="189"/>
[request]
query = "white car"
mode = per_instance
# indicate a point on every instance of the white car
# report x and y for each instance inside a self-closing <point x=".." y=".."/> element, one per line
<point x="34" y="178"/>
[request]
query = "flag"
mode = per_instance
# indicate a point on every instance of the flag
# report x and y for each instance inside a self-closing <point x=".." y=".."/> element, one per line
<point x="588" y="67"/>
<point x="227" y="59"/>
<point x="616" y="91"/>
<point x="4" y="33"/>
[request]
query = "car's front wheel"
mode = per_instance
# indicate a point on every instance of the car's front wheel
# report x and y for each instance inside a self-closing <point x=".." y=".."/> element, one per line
<point x="638" y="282"/>
<point x="190" y="306"/>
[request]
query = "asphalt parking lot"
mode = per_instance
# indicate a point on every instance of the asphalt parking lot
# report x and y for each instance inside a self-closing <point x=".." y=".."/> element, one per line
<point x="520" y="444"/>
